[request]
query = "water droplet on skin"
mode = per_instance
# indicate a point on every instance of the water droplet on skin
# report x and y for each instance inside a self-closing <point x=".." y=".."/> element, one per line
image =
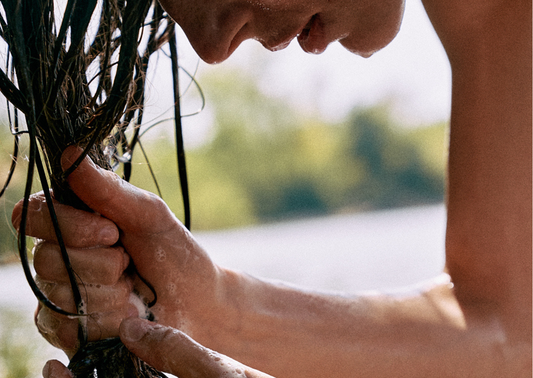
<point x="160" y="255"/>
<point x="171" y="288"/>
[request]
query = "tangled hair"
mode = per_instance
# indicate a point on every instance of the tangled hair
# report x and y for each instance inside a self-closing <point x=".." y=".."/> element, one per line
<point x="78" y="77"/>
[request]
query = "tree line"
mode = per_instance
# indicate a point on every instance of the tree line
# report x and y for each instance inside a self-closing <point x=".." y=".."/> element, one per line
<point x="266" y="162"/>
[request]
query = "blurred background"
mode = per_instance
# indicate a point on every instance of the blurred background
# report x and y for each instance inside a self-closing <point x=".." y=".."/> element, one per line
<point x="322" y="171"/>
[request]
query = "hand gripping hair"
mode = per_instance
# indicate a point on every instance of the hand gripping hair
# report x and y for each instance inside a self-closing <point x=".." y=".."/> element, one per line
<point x="74" y="74"/>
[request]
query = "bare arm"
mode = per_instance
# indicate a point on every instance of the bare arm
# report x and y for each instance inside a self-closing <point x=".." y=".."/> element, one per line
<point x="483" y="326"/>
<point x="480" y="327"/>
<point x="284" y="331"/>
<point x="489" y="183"/>
<point x="293" y="333"/>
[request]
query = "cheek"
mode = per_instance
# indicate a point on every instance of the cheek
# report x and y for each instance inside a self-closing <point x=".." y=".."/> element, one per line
<point x="178" y="10"/>
<point x="170" y="7"/>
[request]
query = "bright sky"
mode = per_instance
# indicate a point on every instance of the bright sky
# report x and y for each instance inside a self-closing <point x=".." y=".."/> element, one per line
<point x="412" y="73"/>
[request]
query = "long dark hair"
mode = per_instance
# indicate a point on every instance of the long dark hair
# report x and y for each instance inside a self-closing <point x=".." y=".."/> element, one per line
<point x="76" y="71"/>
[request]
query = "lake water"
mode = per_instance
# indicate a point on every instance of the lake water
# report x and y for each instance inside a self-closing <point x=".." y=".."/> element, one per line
<point x="348" y="253"/>
<point x="354" y="252"/>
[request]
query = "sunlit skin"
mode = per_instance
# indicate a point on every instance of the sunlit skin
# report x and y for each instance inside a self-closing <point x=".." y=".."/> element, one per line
<point x="216" y="28"/>
<point x="473" y="321"/>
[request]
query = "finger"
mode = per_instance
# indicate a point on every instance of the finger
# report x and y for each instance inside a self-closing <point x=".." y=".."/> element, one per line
<point x="106" y="193"/>
<point x="78" y="228"/>
<point x="106" y="310"/>
<point x="55" y="369"/>
<point x="62" y="332"/>
<point x="169" y="350"/>
<point x="100" y="299"/>
<point x="99" y="265"/>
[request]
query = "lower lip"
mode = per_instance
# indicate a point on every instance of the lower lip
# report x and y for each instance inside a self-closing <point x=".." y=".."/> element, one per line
<point x="312" y="39"/>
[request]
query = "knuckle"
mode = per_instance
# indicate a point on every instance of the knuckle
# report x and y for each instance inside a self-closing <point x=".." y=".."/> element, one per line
<point x="107" y="298"/>
<point x="155" y="202"/>
<point x="84" y="223"/>
<point x="47" y="261"/>
<point x="118" y="262"/>
<point x="16" y="215"/>
<point x="102" y="326"/>
<point x="58" y="330"/>
<point x="100" y="266"/>
<point x="107" y="306"/>
<point x="60" y="295"/>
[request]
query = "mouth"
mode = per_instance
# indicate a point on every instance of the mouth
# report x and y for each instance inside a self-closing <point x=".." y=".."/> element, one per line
<point x="281" y="42"/>
<point x="312" y="38"/>
<point x="310" y="35"/>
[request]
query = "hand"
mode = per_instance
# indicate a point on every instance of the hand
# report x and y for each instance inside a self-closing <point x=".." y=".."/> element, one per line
<point x="163" y="252"/>
<point x="171" y="351"/>
<point x="97" y="264"/>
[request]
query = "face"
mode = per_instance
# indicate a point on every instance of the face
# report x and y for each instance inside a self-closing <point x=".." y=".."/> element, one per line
<point x="216" y="28"/>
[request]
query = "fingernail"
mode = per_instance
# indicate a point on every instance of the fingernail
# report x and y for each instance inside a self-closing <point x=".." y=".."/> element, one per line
<point x="47" y="370"/>
<point x="108" y="235"/>
<point x="69" y="156"/>
<point x="134" y="329"/>
<point x="54" y="369"/>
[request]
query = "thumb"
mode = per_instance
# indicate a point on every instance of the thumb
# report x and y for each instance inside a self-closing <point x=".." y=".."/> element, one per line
<point x="169" y="350"/>
<point x="105" y="192"/>
<point x="55" y="369"/>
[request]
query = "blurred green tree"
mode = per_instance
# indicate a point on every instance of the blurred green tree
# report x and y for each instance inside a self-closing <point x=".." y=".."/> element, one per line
<point x="266" y="162"/>
<point x="396" y="173"/>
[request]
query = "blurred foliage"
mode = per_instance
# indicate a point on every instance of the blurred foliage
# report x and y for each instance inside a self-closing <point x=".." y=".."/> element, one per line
<point x="11" y="196"/>
<point x="20" y="347"/>
<point x="265" y="162"/>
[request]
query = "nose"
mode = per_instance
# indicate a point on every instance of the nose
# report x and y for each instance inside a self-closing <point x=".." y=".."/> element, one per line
<point x="215" y="40"/>
<point x="211" y="53"/>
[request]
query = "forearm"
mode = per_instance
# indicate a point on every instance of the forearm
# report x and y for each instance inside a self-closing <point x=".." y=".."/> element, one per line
<point x="287" y="332"/>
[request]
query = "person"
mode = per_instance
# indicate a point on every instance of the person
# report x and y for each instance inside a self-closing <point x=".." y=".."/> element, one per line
<point x="474" y="320"/>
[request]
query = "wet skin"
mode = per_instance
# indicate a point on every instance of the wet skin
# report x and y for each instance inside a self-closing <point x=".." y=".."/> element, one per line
<point x="478" y="327"/>
<point x="216" y="28"/>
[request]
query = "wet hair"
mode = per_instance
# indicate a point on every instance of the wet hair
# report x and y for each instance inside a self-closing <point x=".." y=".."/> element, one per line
<point x="76" y="71"/>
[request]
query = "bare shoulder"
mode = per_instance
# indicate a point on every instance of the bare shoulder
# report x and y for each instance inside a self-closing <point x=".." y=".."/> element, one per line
<point x="518" y="360"/>
<point x="470" y="14"/>
<point x="460" y="23"/>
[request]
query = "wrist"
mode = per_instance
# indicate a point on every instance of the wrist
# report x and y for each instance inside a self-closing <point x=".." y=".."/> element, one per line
<point x="218" y="323"/>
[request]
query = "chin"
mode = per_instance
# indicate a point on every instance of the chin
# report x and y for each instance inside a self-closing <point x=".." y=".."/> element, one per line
<point x="377" y="32"/>
<point x="365" y="50"/>
<point x="366" y="44"/>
